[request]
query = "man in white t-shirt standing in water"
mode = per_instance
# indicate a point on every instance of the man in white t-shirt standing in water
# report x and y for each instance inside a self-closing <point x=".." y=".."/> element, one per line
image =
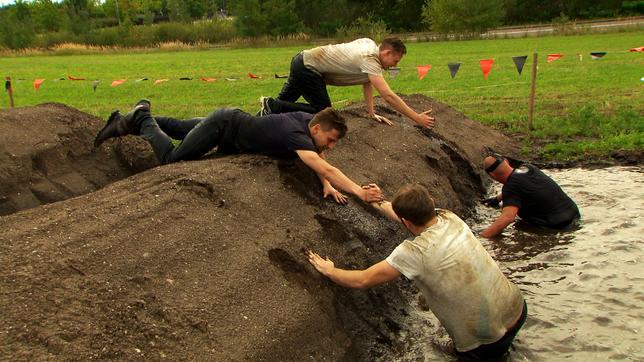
<point x="479" y="307"/>
<point x="361" y="61"/>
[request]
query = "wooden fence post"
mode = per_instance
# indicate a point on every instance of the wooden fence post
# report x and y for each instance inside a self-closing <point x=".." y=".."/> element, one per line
<point x="533" y="88"/>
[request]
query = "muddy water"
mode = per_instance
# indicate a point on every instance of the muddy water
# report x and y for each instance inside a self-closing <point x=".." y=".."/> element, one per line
<point x="584" y="288"/>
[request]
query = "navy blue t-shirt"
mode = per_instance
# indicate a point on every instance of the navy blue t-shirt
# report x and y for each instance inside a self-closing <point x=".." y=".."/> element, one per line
<point x="540" y="200"/>
<point x="277" y="135"/>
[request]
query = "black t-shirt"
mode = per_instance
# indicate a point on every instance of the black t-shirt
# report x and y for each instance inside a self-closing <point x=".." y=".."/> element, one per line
<point x="278" y="135"/>
<point x="539" y="199"/>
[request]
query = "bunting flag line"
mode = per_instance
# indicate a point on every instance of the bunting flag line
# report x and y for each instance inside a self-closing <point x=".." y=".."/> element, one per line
<point x="519" y="62"/>
<point x="208" y="79"/>
<point x="231" y="79"/>
<point x="422" y="70"/>
<point x="37" y="83"/>
<point x="453" y="68"/>
<point x="185" y="78"/>
<point x="597" y="55"/>
<point x="553" y="57"/>
<point x="486" y="66"/>
<point x="71" y="77"/>
<point x="638" y="49"/>
<point x="118" y="82"/>
<point x="95" y="84"/>
<point x="140" y="80"/>
<point x="159" y="81"/>
<point x="253" y="76"/>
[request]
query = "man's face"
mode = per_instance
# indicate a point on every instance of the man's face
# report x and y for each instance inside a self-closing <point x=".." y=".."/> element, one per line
<point x="324" y="140"/>
<point x="389" y="58"/>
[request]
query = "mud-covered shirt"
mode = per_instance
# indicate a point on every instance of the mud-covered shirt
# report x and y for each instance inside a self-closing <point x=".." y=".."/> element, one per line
<point x="462" y="284"/>
<point x="346" y="63"/>
<point x="278" y="135"/>
<point x="540" y="200"/>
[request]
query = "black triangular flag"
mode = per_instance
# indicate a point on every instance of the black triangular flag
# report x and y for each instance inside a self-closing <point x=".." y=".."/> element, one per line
<point x="453" y="68"/>
<point x="519" y="61"/>
<point x="597" y="55"/>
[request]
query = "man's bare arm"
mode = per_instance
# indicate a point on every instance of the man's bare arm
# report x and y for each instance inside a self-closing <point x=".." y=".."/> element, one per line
<point x="376" y="274"/>
<point x="367" y="90"/>
<point x="423" y="118"/>
<point x="326" y="171"/>
<point x="508" y="214"/>
<point x="385" y="208"/>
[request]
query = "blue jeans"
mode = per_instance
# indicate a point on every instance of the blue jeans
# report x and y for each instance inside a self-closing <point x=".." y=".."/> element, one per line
<point x="198" y="135"/>
<point x="303" y="82"/>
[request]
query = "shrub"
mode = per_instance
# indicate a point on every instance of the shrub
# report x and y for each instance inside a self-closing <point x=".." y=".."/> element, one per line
<point x="364" y="27"/>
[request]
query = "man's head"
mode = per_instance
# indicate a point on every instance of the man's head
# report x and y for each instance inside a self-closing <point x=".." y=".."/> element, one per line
<point x="413" y="204"/>
<point x="391" y="51"/>
<point x="497" y="167"/>
<point x="327" y="127"/>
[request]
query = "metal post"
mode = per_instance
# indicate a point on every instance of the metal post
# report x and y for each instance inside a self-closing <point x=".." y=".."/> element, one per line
<point x="533" y="88"/>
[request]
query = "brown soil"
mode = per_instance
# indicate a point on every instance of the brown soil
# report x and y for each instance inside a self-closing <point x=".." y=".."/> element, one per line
<point x="203" y="260"/>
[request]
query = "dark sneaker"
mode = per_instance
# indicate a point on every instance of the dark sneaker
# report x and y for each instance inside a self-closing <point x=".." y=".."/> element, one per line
<point x="119" y="125"/>
<point x="143" y="103"/>
<point x="266" y="109"/>
<point x="113" y="128"/>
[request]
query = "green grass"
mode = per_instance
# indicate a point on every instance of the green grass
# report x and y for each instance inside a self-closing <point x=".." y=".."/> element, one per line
<point x="589" y="107"/>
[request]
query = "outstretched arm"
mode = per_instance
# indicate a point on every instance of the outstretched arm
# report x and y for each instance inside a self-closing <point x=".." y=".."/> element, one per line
<point x="508" y="214"/>
<point x="328" y="190"/>
<point x="360" y="279"/>
<point x="423" y="119"/>
<point x="368" y="99"/>
<point x="326" y="171"/>
<point x="384" y="207"/>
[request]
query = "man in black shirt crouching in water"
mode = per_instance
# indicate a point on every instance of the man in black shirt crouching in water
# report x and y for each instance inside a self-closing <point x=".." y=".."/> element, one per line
<point x="287" y="135"/>
<point x="530" y="194"/>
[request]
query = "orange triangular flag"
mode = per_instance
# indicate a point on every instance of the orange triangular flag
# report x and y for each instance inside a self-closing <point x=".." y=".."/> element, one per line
<point x="553" y="57"/>
<point x="37" y="83"/>
<point x="160" y="81"/>
<point x="118" y="82"/>
<point x="253" y="76"/>
<point x="75" y="78"/>
<point x="638" y="49"/>
<point x="486" y="66"/>
<point x="208" y="79"/>
<point x="422" y="70"/>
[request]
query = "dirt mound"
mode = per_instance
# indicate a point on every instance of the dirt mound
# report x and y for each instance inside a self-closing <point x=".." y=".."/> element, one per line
<point x="46" y="155"/>
<point x="203" y="260"/>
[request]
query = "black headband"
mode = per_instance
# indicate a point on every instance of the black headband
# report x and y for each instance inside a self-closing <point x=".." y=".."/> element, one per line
<point x="497" y="162"/>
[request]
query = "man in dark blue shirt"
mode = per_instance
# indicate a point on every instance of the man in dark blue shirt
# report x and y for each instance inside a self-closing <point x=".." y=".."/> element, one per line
<point x="530" y="194"/>
<point x="288" y="135"/>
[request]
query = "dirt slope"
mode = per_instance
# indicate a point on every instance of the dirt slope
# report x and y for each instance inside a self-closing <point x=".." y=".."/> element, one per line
<point x="46" y="156"/>
<point x="202" y="260"/>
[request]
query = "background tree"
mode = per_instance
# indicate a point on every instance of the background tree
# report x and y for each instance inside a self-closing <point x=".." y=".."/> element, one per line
<point x="48" y="16"/>
<point x="463" y="16"/>
<point x="78" y="12"/>
<point x="16" y="26"/>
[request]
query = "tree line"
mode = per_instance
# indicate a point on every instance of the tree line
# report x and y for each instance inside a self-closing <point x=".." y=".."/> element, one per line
<point x="44" y="23"/>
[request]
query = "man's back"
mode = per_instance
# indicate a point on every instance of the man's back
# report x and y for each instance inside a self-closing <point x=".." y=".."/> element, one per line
<point x="462" y="284"/>
<point x="346" y="63"/>
<point x="278" y="135"/>
<point x="539" y="199"/>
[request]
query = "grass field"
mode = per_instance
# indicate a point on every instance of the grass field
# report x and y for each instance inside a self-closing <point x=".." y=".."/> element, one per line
<point x="583" y="108"/>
